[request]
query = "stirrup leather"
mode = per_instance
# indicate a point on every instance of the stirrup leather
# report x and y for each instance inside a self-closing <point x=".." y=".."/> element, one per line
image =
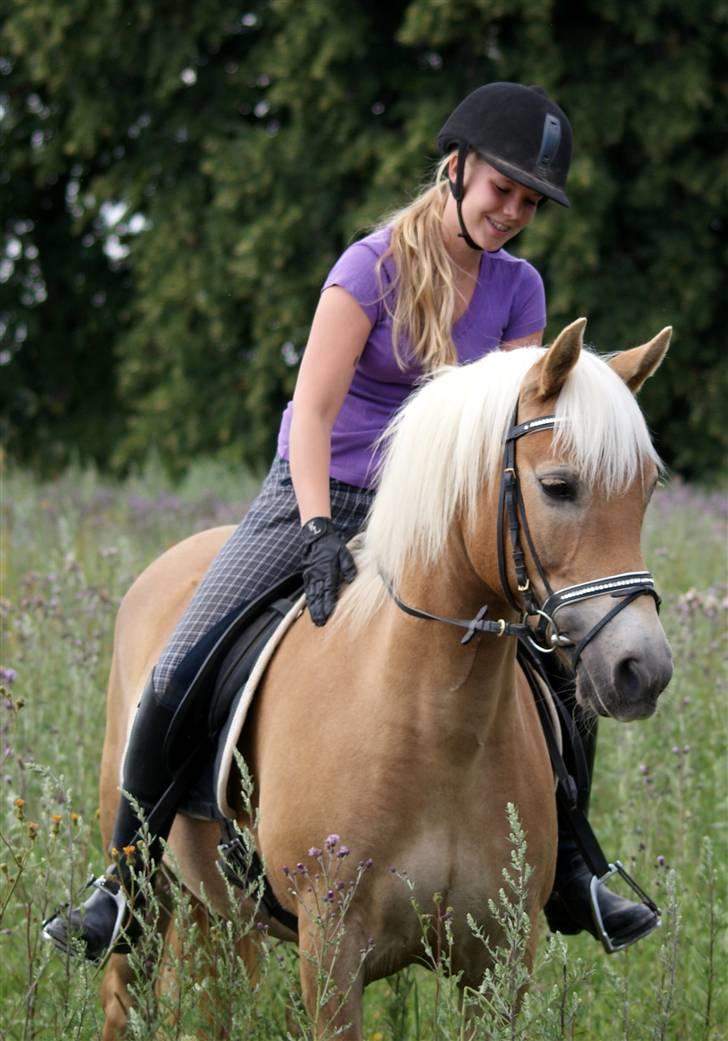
<point x="610" y="945"/>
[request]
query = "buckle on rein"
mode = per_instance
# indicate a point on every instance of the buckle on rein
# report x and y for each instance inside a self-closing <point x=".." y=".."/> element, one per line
<point x="546" y="622"/>
<point x="596" y="883"/>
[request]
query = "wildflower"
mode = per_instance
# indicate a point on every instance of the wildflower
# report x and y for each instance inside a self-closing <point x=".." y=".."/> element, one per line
<point x="20" y="809"/>
<point x="7" y="675"/>
<point x="343" y="851"/>
<point x="314" y="852"/>
<point x="33" y="830"/>
<point x="74" y="819"/>
<point x="286" y="870"/>
<point x="332" y="841"/>
<point x="660" y="860"/>
<point x="129" y="851"/>
<point x="56" y="819"/>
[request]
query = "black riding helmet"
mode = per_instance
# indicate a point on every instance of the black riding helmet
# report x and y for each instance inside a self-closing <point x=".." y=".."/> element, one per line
<point x="519" y="131"/>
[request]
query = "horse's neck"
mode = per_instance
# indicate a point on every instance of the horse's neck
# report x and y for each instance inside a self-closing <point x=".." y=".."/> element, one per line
<point x="441" y="678"/>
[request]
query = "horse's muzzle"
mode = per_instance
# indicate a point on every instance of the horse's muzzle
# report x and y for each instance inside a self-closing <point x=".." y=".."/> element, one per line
<point x="626" y="689"/>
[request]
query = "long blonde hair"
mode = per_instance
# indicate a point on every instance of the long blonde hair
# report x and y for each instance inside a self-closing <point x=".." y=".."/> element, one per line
<point x="421" y="298"/>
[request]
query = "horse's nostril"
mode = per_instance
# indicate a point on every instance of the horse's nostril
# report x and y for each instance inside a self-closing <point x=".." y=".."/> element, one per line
<point x="629" y="680"/>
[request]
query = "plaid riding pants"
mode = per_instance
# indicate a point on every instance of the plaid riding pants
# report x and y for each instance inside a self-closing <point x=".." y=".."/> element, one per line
<point x="265" y="548"/>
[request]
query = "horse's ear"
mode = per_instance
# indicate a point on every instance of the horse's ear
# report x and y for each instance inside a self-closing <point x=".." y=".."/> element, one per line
<point x="638" y="364"/>
<point x="560" y="359"/>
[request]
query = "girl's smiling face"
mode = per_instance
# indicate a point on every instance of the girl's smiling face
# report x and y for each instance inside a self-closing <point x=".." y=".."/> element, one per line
<point x="494" y="207"/>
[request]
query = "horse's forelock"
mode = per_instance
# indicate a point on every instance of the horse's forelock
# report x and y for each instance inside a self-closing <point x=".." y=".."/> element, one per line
<point x="601" y="427"/>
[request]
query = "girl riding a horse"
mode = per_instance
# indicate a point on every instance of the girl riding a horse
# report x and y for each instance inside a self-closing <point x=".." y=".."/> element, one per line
<point x="433" y="285"/>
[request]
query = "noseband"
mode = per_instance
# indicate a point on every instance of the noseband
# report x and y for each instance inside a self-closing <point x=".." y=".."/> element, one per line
<point x="543" y="634"/>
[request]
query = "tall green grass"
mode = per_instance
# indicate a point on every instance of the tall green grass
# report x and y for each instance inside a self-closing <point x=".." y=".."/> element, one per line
<point x="71" y="548"/>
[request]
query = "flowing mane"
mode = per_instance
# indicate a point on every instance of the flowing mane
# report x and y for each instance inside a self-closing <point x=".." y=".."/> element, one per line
<point x="446" y="444"/>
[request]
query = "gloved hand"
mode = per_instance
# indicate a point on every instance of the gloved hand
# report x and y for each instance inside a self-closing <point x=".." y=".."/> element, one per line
<point x="326" y="561"/>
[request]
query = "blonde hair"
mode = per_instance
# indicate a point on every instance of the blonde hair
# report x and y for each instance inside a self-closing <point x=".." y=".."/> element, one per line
<point x="421" y="298"/>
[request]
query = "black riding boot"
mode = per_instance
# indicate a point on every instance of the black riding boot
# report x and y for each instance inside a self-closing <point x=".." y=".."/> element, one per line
<point x="107" y="919"/>
<point x="569" y="908"/>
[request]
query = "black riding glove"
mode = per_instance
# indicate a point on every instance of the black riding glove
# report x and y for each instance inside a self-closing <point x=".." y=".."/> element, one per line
<point x="326" y="561"/>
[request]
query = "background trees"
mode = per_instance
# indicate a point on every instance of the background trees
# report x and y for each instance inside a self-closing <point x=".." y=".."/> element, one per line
<point x="177" y="179"/>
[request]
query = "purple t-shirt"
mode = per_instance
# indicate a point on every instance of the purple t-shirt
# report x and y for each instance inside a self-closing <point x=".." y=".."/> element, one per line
<point x="507" y="303"/>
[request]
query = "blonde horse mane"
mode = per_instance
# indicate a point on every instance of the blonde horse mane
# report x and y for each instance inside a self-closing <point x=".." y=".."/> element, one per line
<point x="446" y="445"/>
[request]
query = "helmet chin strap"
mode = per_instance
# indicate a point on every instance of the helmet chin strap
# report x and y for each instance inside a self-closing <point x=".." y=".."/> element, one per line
<point x="458" y="190"/>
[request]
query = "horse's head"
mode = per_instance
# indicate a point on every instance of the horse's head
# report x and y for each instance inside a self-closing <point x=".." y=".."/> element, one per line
<point x="585" y="475"/>
<point x="585" y="485"/>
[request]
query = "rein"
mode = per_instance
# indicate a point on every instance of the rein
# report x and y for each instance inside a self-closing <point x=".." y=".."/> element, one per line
<point x="544" y="636"/>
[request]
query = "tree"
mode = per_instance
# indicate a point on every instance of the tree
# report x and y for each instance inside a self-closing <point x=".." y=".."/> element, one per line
<point x="247" y="148"/>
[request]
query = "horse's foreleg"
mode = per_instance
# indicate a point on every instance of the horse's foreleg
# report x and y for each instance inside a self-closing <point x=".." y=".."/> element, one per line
<point x="332" y="982"/>
<point x="115" y="997"/>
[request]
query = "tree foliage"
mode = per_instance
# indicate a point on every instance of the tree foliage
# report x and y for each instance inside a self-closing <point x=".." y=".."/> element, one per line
<point x="179" y="178"/>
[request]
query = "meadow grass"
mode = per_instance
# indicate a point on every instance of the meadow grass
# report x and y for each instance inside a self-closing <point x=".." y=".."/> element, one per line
<point x="69" y="551"/>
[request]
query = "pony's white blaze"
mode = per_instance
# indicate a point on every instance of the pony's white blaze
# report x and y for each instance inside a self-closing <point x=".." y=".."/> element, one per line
<point x="446" y="445"/>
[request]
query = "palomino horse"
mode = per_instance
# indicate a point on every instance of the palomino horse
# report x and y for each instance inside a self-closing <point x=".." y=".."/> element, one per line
<point x="383" y="726"/>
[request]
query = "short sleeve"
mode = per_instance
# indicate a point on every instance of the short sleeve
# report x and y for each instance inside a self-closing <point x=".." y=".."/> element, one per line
<point x="356" y="272"/>
<point x="528" y="308"/>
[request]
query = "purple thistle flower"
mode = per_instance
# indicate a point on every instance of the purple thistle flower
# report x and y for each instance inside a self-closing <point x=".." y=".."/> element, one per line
<point x="286" y="870"/>
<point x="7" y="675"/>
<point x="314" y="852"/>
<point x="344" y="851"/>
<point x="332" y="841"/>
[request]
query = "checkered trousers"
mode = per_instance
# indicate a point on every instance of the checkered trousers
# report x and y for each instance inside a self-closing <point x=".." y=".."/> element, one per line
<point x="265" y="548"/>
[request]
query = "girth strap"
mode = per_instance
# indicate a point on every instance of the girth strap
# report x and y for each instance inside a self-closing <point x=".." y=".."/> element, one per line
<point x="243" y="868"/>
<point x="567" y="789"/>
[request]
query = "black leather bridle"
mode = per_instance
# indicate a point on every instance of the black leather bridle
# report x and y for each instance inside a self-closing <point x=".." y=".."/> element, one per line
<point x="543" y="635"/>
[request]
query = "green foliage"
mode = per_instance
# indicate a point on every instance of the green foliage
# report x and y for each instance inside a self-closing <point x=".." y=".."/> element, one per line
<point x="73" y="546"/>
<point x="248" y="147"/>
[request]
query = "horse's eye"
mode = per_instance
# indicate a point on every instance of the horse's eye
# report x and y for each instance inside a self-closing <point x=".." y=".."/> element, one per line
<point x="559" y="489"/>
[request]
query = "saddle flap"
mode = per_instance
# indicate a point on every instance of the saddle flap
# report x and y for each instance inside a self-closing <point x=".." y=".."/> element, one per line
<point x="197" y="673"/>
